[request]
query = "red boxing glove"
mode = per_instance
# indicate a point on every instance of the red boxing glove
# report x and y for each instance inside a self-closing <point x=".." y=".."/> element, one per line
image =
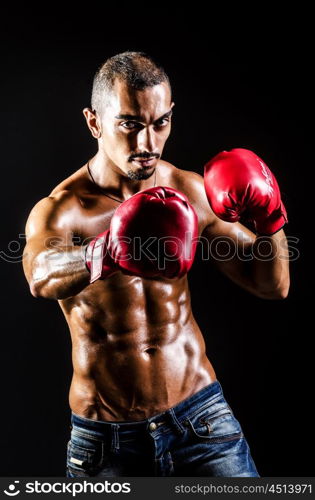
<point x="153" y="233"/>
<point x="238" y="181"/>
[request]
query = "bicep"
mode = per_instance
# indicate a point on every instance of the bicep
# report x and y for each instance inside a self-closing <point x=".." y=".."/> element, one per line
<point x="43" y="232"/>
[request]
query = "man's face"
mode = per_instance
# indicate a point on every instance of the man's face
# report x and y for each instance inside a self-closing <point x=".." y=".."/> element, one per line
<point x="135" y="126"/>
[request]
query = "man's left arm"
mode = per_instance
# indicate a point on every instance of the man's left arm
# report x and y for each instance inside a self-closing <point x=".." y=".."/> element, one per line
<point x="259" y="264"/>
<point x="239" y="184"/>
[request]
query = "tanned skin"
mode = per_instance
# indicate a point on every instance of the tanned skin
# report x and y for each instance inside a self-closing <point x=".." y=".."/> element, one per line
<point x="136" y="347"/>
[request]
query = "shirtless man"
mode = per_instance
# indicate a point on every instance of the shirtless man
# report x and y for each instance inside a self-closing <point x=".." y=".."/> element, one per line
<point x="144" y="397"/>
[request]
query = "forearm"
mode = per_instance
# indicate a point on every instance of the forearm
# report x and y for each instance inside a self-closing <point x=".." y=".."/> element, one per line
<point x="269" y="267"/>
<point x="58" y="273"/>
<point x="260" y="264"/>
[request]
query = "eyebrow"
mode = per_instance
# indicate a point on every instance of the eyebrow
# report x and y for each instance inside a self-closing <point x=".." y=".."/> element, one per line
<point x="139" y="118"/>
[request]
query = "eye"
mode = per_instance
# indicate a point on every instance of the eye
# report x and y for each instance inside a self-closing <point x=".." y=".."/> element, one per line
<point x="159" y="123"/>
<point x="130" y="125"/>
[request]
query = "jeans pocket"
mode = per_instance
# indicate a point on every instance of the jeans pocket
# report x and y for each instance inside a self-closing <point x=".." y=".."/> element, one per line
<point x="215" y="423"/>
<point x="84" y="454"/>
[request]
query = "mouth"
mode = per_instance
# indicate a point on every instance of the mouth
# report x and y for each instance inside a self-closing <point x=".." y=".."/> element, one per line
<point x="148" y="162"/>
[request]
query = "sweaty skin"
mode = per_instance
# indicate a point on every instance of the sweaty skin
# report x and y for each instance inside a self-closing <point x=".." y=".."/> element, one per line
<point x="137" y="349"/>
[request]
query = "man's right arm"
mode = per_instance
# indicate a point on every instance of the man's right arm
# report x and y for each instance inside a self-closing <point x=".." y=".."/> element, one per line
<point x="57" y="269"/>
<point x="53" y="266"/>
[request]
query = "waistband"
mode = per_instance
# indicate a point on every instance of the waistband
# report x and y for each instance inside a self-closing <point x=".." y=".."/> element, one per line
<point x="178" y="412"/>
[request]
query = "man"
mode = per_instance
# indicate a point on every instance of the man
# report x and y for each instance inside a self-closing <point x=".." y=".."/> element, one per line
<point x="144" y="397"/>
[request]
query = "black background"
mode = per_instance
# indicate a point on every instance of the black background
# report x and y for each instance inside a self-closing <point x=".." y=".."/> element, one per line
<point x="237" y="82"/>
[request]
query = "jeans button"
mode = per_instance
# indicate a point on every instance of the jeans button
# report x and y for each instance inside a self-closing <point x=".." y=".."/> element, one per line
<point x="152" y="426"/>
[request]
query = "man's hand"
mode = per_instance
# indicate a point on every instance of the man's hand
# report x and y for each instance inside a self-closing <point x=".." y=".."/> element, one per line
<point x="153" y="233"/>
<point x="238" y="182"/>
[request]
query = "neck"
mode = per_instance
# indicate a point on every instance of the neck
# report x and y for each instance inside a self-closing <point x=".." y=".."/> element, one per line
<point x="112" y="179"/>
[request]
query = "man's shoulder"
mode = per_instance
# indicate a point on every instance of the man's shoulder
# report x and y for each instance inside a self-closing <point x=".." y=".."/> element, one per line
<point x="50" y="209"/>
<point x="192" y="185"/>
<point x="67" y="192"/>
<point x="189" y="182"/>
<point x="70" y="185"/>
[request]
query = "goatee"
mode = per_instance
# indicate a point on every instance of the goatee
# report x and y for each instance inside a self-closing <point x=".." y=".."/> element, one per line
<point x="139" y="175"/>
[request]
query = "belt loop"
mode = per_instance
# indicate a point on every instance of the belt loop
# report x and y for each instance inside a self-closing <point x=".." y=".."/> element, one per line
<point x="178" y="425"/>
<point x="115" y="438"/>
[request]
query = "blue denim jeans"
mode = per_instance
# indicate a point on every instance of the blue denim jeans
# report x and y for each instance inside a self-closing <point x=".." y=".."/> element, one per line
<point x="200" y="436"/>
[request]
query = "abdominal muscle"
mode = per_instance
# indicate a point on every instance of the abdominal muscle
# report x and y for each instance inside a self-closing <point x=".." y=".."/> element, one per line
<point x="138" y="357"/>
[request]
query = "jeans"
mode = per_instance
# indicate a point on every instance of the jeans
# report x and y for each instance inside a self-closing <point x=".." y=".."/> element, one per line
<point x="200" y="436"/>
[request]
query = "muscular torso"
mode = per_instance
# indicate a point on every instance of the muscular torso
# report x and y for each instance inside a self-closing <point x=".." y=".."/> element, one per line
<point x="137" y="349"/>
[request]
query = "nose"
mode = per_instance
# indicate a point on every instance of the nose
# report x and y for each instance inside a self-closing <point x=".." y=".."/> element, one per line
<point x="146" y="140"/>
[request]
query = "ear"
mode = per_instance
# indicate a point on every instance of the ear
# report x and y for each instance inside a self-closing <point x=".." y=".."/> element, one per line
<point x="93" y="122"/>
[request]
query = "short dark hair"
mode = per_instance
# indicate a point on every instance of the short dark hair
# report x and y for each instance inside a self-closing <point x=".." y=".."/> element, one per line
<point x="137" y="69"/>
